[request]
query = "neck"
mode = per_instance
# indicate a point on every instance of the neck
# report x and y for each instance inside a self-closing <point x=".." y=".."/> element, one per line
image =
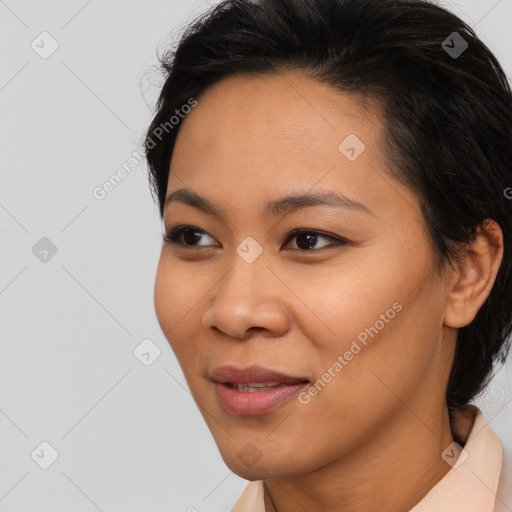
<point x="395" y="470"/>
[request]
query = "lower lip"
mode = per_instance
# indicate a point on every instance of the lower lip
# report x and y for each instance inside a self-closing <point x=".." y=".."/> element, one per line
<point x="257" y="402"/>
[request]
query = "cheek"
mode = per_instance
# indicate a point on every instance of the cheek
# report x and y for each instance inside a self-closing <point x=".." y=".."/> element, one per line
<point x="383" y="360"/>
<point x="346" y="303"/>
<point x="387" y="320"/>
<point x="176" y="290"/>
<point x="178" y="294"/>
<point x="163" y="296"/>
<point x="174" y="296"/>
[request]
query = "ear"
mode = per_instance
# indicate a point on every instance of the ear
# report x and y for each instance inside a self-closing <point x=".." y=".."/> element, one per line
<point x="475" y="275"/>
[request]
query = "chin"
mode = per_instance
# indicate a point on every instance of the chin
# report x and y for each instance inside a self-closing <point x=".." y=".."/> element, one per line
<point x="249" y="475"/>
<point x="255" y="469"/>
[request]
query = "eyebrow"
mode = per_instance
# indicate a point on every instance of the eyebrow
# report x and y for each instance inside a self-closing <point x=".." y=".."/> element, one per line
<point x="275" y="208"/>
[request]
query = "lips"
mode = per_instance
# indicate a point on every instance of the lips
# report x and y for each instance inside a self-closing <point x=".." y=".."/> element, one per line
<point x="255" y="376"/>
<point x="254" y="390"/>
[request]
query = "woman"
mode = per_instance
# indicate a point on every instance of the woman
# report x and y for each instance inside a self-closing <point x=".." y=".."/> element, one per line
<point x="335" y="274"/>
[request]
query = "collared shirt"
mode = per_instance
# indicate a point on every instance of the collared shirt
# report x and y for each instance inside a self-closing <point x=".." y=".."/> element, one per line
<point x="476" y="482"/>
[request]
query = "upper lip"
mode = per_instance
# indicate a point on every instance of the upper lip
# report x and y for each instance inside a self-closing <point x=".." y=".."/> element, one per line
<point x="234" y="375"/>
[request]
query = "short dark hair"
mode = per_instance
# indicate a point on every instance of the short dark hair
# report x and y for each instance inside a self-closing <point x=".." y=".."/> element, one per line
<point x="447" y="119"/>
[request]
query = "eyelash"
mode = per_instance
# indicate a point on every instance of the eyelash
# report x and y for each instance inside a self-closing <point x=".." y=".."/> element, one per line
<point x="172" y="237"/>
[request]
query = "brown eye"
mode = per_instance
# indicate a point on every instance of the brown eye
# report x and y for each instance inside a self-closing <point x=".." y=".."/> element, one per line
<point x="306" y="240"/>
<point x="187" y="236"/>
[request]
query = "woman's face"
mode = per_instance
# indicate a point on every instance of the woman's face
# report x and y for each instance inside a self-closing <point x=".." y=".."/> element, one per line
<point x="352" y="306"/>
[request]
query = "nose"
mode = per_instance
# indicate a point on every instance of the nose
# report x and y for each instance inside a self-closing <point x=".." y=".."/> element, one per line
<point x="248" y="297"/>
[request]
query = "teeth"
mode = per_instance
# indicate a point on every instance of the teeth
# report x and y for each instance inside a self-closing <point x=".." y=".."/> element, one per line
<point x="261" y="384"/>
<point x="250" y="387"/>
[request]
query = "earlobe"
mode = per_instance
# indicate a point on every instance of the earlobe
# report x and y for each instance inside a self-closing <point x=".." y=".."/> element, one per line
<point x="475" y="275"/>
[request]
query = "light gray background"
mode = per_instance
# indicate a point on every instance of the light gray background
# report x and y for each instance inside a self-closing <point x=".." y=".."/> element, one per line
<point x="129" y="437"/>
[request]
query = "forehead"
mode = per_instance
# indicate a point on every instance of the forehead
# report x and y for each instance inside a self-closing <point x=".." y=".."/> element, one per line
<point x="254" y="137"/>
<point x="288" y="104"/>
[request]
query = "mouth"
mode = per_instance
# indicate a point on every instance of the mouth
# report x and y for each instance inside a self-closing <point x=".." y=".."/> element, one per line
<point x="254" y="376"/>
<point x="254" y="390"/>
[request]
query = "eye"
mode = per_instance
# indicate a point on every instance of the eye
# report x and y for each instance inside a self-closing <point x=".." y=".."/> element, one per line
<point x="306" y="239"/>
<point x="185" y="236"/>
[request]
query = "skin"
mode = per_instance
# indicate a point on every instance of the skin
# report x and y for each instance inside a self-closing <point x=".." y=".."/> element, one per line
<point x="376" y="431"/>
